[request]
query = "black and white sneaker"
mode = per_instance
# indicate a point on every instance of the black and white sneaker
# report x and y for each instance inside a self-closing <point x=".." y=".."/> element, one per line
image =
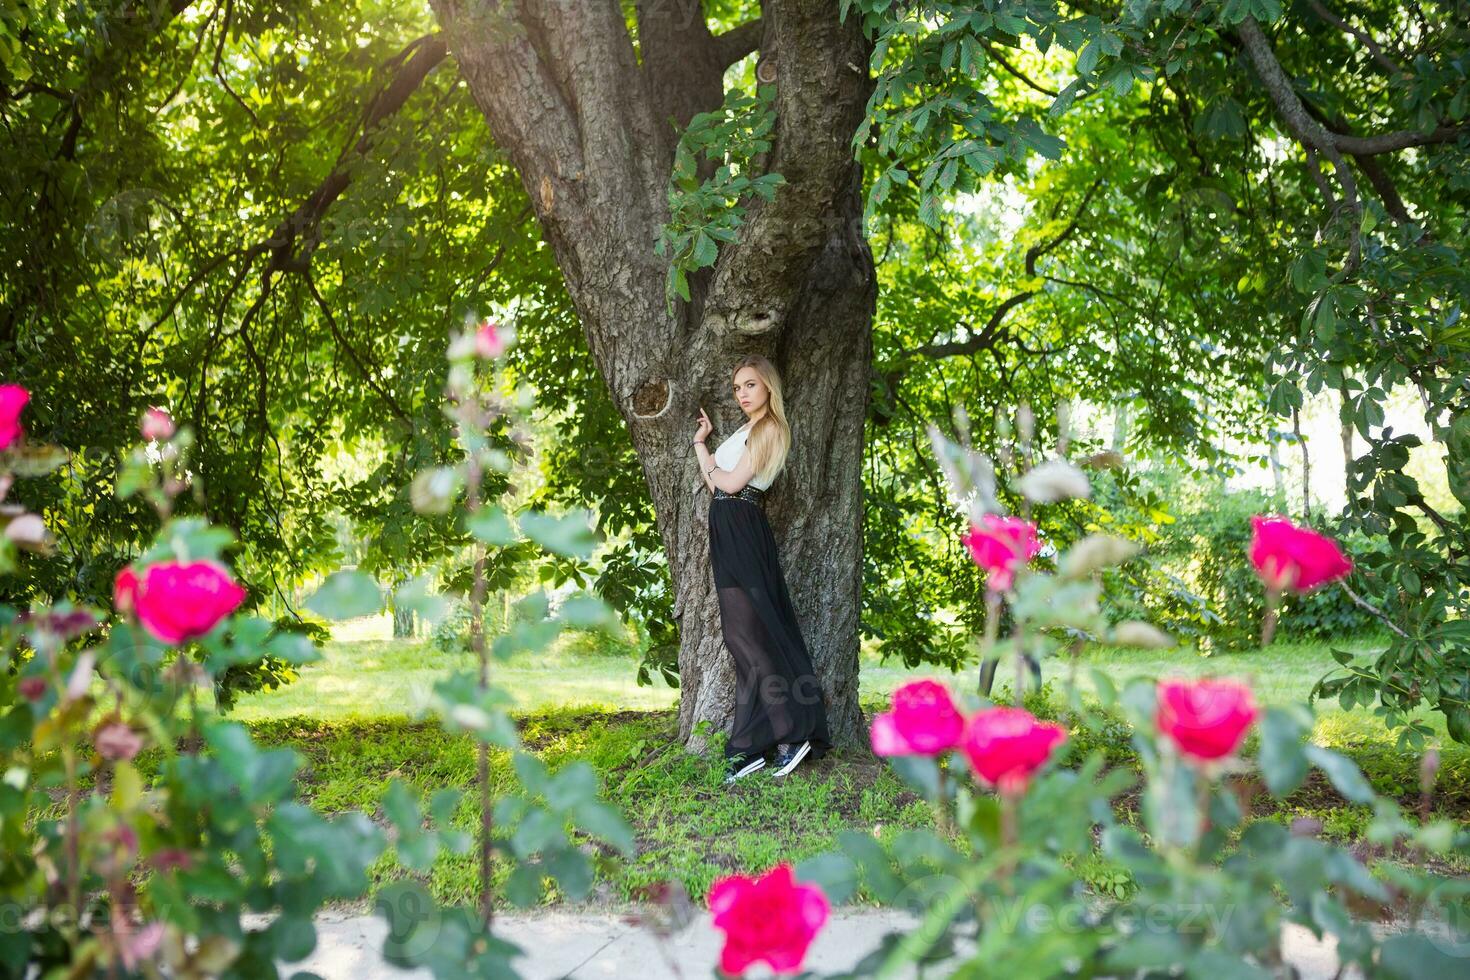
<point x="741" y="765"/>
<point x="788" y="757"/>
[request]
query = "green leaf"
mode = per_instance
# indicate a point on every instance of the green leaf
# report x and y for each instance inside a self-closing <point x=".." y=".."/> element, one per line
<point x="833" y="871"/>
<point x="1415" y="955"/>
<point x="1309" y="271"/>
<point x="582" y="611"/>
<point x="705" y="250"/>
<point x="538" y="830"/>
<point x="294" y="937"/>
<point x="929" y="211"/>
<point x="490" y="524"/>
<point x="414" y="595"/>
<point x="573" y="872"/>
<point x="1343" y="772"/>
<point x="568" y="535"/>
<point x="872" y="861"/>
<point x="1102" y="685"/>
<point x="346" y="595"/>
<point x="606" y="822"/>
<point x="531" y="771"/>
<point x="1283" y="762"/>
<point x="573" y="785"/>
<point x="523" y="887"/>
<point x="919" y="771"/>
<point x="1087" y="60"/>
<point x="1324" y="318"/>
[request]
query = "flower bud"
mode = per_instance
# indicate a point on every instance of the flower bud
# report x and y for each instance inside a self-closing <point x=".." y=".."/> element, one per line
<point x="1134" y="633"/>
<point x="1094" y="553"/>
<point x="157" y="425"/>
<point x="1054" y="480"/>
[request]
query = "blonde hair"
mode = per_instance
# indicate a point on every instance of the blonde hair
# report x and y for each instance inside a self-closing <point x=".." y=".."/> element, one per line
<point x="769" y="439"/>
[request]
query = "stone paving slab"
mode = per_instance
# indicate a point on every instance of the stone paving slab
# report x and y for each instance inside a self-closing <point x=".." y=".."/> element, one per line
<point x="572" y="945"/>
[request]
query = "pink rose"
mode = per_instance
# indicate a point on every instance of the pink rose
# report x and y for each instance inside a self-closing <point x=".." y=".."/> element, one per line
<point x="1006" y="746"/>
<point x="125" y="589"/>
<point x="62" y="625"/>
<point x="771" y="918"/>
<point x="141" y="945"/>
<point x="1000" y="545"/>
<point x="488" y="342"/>
<point x="1294" y="558"/>
<point x="172" y="858"/>
<point x="116" y="741"/>
<point x="1205" y="719"/>
<point x="157" y="425"/>
<point x="924" y="721"/>
<point x="32" y="688"/>
<point x="178" y="602"/>
<point x="13" y="398"/>
<point x="124" y="836"/>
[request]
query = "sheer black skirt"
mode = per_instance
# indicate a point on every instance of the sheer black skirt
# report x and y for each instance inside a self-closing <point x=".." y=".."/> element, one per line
<point x="778" y="695"/>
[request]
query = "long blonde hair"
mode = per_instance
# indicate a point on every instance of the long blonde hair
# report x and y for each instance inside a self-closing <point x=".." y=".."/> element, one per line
<point x="769" y="439"/>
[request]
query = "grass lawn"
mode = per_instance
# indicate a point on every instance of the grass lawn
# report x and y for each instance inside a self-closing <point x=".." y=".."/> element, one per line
<point x="350" y="716"/>
<point x="366" y="675"/>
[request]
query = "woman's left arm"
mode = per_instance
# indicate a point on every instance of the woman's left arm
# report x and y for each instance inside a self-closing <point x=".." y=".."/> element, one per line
<point x="706" y="460"/>
<point x="731" y="481"/>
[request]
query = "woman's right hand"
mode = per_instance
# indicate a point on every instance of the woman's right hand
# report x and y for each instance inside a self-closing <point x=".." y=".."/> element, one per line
<point x="705" y="427"/>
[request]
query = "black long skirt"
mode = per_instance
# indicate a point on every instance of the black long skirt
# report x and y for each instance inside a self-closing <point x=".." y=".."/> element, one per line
<point x="778" y="695"/>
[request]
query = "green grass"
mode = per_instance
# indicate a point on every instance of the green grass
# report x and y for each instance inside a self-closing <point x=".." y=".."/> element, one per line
<point x="363" y="676"/>
<point x="350" y="716"/>
<point x="689" y="825"/>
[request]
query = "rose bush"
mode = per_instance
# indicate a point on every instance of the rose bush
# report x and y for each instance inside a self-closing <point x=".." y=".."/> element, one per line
<point x="137" y="825"/>
<point x="1212" y="886"/>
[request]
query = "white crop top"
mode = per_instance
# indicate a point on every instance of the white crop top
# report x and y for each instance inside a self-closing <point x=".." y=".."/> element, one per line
<point x="727" y="455"/>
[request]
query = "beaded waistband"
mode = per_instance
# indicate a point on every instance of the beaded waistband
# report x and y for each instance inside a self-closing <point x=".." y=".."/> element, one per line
<point x="753" y="494"/>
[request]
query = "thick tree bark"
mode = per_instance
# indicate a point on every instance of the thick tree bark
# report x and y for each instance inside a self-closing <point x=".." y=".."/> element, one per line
<point x="591" y="126"/>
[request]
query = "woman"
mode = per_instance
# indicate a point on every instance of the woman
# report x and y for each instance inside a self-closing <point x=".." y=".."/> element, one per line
<point x="778" y="699"/>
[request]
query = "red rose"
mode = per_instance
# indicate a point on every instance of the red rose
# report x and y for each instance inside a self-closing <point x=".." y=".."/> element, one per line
<point x="1006" y="746"/>
<point x="177" y="602"/>
<point x="1206" y="719"/>
<point x="772" y="919"/>
<point x="13" y="398"/>
<point x="32" y="688"/>
<point x="1000" y="545"/>
<point x="924" y="721"/>
<point x="1293" y="558"/>
<point x="125" y="589"/>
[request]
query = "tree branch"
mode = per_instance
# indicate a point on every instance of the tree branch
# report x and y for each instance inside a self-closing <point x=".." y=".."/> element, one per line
<point x="368" y="375"/>
<point x="1041" y="248"/>
<point x="987" y="336"/>
<point x="1308" y="131"/>
<point x="738" y="42"/>
<point x="293" y="240"/>
<point x="990" y="333"/>
<point x="1399" y="140"/>
<point x="1363" y="36"/>
<point x="1025" y="79"/>
<point x="683" y="67"/>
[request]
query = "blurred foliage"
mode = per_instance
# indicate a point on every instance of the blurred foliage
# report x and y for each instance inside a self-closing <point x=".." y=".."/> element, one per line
<point x="1244" y="197"/>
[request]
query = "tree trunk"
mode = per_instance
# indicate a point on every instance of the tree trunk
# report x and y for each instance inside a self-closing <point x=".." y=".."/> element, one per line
<point x="402" y="623"/>
<point x="591" y="126"/>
